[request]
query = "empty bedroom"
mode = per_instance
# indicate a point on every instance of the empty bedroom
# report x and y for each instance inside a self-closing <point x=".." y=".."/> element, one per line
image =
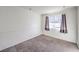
<point x="39" y="29"/>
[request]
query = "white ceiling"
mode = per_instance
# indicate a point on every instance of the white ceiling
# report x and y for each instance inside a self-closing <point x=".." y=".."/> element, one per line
<point x="45" y="9"/>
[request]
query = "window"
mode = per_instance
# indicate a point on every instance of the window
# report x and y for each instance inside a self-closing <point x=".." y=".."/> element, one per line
<point x="55" y="22"/>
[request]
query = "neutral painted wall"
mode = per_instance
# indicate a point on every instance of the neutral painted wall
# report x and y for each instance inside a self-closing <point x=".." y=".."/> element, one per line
<point x="78" y="26"/>
<point x="17" y="25"/>
<point x="71" y="14"/>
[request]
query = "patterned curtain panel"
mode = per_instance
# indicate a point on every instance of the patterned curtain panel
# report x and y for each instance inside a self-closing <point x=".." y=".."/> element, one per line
<point x="47" y="23"/>
<point x="63" y="28"/>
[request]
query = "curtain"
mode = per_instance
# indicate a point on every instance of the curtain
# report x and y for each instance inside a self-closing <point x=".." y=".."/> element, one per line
<point x="47" y="23"/>
<point x="63" y="27"/>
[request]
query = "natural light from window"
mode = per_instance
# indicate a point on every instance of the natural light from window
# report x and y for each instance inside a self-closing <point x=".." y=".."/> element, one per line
<point x="55" y="22"/>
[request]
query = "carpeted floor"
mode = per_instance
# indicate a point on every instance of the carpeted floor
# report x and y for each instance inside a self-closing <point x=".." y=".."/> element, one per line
<point x="43" y="43"/>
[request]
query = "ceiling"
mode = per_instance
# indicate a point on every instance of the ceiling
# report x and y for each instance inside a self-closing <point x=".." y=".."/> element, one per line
<point x="45" y="9"/>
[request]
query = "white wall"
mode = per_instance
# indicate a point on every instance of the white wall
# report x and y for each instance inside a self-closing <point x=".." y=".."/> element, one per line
<point x="78" y="26"/>
<point x="71" y="14"/>
<point x="17" y="25"/>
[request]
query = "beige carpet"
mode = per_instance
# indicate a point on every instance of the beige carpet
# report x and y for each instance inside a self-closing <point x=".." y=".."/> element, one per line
<point x="43" y="43"/>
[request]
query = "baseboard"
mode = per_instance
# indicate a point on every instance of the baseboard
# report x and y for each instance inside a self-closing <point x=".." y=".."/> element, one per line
<point x="21" y="41"/>
<point x="59" y="38"/>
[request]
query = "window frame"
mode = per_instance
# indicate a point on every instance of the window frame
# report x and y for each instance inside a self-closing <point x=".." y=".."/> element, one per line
<point x="58" y="21"/>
